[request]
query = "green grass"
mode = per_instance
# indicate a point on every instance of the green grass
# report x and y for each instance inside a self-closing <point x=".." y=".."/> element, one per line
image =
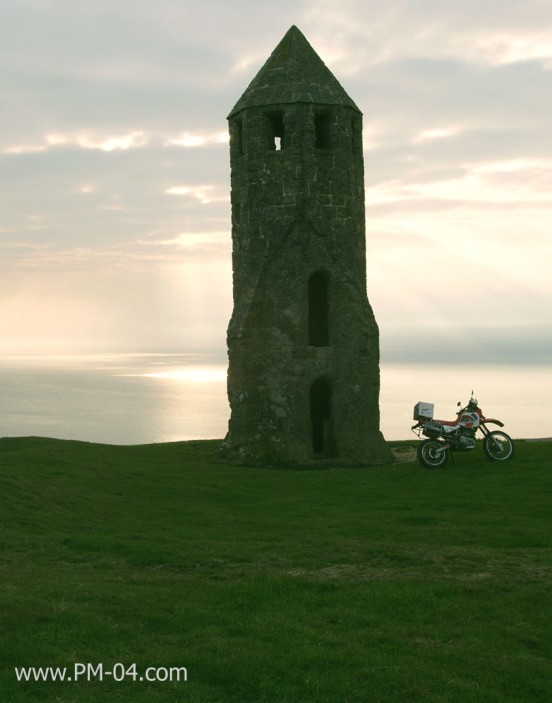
<point x="395" y="584"/>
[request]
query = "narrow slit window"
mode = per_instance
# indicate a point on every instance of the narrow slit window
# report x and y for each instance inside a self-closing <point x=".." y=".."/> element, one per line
<point x="323" y="130"/>
<point x="236" y="137"/>
<point x="356" y="129"/>
<point x="239" y="137"/>
<point x="276" y="130"/>
<point x="319" y="333"/>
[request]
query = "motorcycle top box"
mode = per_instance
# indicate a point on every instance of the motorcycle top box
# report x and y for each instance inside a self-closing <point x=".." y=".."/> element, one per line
<point x="423" y="411"/>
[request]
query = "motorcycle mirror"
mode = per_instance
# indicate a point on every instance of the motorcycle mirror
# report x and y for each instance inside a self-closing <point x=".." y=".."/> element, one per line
<point x="458" y="403"/>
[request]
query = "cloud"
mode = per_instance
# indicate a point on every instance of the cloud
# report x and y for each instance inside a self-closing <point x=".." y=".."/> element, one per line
<point x="513" y="47"/>
<point x="114" y="107"/>
<point x="427" y="135"/>
<point x="106" y="142"/>
<point x="187" y="139"/>
<point x="84" y="140"/>
<point x="204" y="193"/>
<point x="365" y="33"/>
<point x="505" y="182"/>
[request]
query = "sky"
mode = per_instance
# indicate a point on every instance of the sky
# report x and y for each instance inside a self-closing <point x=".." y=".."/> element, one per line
<point x="114" y="169"/>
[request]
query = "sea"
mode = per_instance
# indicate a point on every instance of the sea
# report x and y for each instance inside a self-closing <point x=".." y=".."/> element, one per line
<point x="131" y="399"/>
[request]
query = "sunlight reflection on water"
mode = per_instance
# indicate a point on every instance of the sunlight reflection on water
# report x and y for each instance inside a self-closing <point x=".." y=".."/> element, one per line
<point x="194" y="375"/>
<point x="145" y="398"/>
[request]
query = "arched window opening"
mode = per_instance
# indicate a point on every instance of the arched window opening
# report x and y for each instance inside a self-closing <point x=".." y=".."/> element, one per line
<point x="276" y="130"/>
<point x="321" y="416"/>
<point x="319" y="333"/>
<point x="323" y="130"/>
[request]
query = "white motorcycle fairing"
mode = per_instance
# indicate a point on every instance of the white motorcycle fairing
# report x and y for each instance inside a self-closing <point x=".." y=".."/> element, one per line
<point x="466" y="421"/>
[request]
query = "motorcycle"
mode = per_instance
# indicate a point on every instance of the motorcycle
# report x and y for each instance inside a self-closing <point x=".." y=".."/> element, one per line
<point x="444" y="436"/>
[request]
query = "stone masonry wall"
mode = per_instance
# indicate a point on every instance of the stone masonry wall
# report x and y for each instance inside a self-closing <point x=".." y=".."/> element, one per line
<point x="296" y="211"/>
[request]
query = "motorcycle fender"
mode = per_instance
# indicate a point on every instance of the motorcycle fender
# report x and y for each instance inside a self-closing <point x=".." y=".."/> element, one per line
<point x="492" y="421"/>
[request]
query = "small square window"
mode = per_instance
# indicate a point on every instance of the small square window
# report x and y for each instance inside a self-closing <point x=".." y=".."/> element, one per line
<point x="276" y="130"/>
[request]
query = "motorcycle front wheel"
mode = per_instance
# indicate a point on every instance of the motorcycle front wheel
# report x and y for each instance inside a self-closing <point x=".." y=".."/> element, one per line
<point x="432" y="454"/>
<point x="498" y="446"/>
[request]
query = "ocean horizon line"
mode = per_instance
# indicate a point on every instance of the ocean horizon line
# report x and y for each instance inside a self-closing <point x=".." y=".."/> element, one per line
<point x="220" y="357"/>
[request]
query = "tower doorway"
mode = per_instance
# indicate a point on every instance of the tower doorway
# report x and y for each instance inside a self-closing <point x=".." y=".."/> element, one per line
<point x="321" y="416"/>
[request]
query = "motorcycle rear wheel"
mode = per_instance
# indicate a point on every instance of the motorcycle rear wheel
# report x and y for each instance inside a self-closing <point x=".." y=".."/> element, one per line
<point x="432" y="454"/>
<point x="498" y="446"/>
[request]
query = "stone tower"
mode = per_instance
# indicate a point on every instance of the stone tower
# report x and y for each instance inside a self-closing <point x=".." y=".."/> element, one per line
<point x="303" y="347"/>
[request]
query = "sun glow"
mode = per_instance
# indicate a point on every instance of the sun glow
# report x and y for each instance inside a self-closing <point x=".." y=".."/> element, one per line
<point x="203" y="374"/>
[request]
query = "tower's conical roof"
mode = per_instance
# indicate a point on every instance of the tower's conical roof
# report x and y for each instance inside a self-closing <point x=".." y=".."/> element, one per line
<point x="294" y="73"/>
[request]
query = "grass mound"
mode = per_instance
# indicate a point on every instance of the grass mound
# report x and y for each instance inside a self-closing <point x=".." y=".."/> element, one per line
<point x="394" y="584"/>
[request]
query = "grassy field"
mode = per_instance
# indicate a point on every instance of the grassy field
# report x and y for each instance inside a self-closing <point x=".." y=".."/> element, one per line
<point x="391" y="584"/>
